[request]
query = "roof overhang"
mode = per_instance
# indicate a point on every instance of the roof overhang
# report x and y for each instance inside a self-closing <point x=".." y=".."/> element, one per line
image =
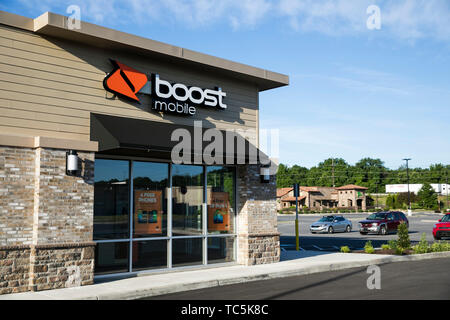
<point x="54" y="25"/>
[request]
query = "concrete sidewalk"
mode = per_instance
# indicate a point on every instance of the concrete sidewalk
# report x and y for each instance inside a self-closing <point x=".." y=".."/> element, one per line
<point x="292" y="264"/>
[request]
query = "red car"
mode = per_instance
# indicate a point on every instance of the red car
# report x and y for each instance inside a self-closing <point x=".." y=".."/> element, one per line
<point x="382" y="222"/>
<point x="442" y="228"/>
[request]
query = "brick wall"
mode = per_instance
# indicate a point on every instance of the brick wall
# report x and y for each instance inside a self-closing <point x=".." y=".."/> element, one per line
<point x="258" y="237"/>
<point x="16" y="195"/>
<point x="46" y="220"/>
<point x="64" y="208"/>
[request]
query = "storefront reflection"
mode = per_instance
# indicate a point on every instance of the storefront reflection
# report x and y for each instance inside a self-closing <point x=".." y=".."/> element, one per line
<point x="111" y="194"/>
<point x="187" y="200"/>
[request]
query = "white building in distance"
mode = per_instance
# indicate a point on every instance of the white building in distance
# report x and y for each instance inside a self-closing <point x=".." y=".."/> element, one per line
<point x="440" y="188"/>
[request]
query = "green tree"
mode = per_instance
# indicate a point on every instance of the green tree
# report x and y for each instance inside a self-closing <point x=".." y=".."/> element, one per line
<point x="284" y="179"/>
<point x="427" y="196"/>
<point x="370" y="173"/>
<point x="391" y="201"/>
<point x="403" y="236"/>
<point x="402" y="198"/>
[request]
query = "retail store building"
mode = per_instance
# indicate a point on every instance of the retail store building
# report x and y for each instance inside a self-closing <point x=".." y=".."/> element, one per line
<point x="88" y="184"/>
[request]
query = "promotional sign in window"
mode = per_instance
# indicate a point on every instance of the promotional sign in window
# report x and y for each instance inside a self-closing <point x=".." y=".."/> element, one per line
<point x="147" y="212"/>
<point x="219" y="212"/>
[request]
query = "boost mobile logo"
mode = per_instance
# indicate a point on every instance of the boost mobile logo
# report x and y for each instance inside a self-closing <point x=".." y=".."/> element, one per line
<point x="167" y="97"/>
<point x="125" y="81"/>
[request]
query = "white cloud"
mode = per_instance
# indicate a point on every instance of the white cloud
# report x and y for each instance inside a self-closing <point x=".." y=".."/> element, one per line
<point x="403" y="19"/>
<point x="413" y="19"/>
<point x="332" y="17"/>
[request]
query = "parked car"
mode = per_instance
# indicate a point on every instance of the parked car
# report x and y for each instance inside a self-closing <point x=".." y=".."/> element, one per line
<point x="331" y="224"/>
<point x="442" y="228"/>
<point x="382" y="222"/>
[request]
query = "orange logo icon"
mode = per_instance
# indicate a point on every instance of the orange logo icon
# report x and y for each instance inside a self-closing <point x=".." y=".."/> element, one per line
<point x="125" y="81"/>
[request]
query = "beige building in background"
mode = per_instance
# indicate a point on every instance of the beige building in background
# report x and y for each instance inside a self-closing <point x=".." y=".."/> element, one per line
<point x="320" y="198"/>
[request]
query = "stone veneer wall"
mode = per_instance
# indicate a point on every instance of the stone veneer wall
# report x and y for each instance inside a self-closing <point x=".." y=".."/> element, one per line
<point x="46" y="220"/>
<point x="61" y="266"/>
<point x="14" y="269"/>
<point x="258" y="236"/>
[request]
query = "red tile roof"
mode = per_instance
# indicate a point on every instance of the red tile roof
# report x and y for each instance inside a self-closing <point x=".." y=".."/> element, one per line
<point x="282" y="191"/>
<point x="351" y="187"/>
<point x="309" y="189"/>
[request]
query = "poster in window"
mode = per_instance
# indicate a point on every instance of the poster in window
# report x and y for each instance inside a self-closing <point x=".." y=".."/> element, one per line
<point x="148" y="212"/>
<point x="219" y="212"/>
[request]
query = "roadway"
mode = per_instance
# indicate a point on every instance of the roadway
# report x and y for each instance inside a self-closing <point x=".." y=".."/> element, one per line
<point x="426" y="279"/>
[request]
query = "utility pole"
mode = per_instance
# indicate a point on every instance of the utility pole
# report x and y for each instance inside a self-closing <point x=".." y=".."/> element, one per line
<point x="407" y="177"/>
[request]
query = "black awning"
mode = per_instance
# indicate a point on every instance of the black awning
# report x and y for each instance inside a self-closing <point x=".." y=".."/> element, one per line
<point x="152" y="139"/>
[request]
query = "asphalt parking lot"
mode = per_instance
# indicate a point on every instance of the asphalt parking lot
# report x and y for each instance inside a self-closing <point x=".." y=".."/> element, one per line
<point x="402" y="280"/>
<point x="419" y="223"/>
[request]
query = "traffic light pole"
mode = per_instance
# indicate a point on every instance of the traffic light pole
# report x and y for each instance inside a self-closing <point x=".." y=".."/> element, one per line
<point x="296" y="193"/>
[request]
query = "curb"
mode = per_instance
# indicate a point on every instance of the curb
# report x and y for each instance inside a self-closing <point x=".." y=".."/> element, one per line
<point x="118" y="293"/>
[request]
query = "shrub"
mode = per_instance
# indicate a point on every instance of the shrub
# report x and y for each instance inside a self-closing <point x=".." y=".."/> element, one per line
<point x="403" y="236"/>
<point x="435" y="247"/>
<point x="440" y="246"/>
<point x="385" y="247"/>
<point x="345" y="249"/>
<point x="423" y="246"/>
<point x="368" y="248"/>
<point x="392" y="244"/>
<point x="399" y="250"/>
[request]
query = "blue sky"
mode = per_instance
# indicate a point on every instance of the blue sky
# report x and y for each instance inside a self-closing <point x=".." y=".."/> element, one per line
<point x="354" y="92"/>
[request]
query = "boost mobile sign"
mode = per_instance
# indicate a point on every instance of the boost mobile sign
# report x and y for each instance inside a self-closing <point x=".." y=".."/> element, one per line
<point x="167" y="97"/>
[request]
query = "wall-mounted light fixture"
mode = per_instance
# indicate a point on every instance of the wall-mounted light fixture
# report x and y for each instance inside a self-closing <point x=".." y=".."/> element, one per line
<point x="265" y="174"/>
<point x="71" y="163"/>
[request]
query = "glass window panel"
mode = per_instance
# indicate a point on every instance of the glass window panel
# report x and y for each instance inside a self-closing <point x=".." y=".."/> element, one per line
<point x="186" y="252"/>
<point x="150" y="181"/>
<point x="220" y="195"/>
<point x="111" y="199"/>
<point x="220" y="249"/>
<point x="111" y="257"/>
<point x="150" y="254"/>
<point x="187" y="199"/>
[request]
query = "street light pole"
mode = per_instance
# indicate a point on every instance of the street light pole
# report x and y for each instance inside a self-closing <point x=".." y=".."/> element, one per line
<point x="407" y="177"/>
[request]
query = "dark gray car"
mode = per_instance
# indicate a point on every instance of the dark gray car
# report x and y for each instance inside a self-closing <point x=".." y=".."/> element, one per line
<point x="331" y="224"/>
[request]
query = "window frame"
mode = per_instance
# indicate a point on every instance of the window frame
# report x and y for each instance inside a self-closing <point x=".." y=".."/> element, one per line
<point x="169" y="237"/>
